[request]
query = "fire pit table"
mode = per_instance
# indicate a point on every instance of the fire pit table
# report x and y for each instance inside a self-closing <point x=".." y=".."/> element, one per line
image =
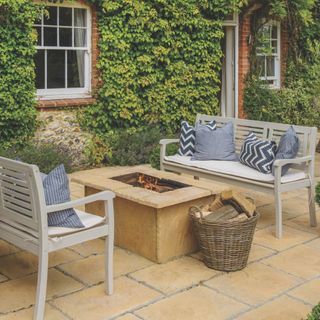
<point x="151" y="208"/>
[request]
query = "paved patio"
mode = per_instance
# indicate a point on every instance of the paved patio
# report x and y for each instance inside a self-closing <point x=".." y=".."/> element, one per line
<point x="282" y="280"/>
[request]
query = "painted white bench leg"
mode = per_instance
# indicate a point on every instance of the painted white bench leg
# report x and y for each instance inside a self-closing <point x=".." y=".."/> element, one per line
<point x="312" y="206"/>
<point x="41" y="286"/>
<point x="109" y="249"/>
<point x="278" y="213"/>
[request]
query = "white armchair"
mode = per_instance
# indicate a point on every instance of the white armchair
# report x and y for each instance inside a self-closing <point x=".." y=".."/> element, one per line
<point x="23" y="222"/>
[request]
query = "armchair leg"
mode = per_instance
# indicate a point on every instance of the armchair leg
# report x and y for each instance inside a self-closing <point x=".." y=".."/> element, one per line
<point x="278" y="213"/>
<point x="312" y="206"/>
<point x="109" y="264"/>
<point x="41" y="287"/>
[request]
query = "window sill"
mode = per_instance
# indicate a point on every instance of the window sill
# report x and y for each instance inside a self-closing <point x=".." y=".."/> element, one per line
<point x="44" y="105"/>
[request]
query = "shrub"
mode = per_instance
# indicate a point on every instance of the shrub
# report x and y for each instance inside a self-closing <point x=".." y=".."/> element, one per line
<point x="45" y="156"/>
<point x="315" y="313"/>
<point x="17" y="75"/>
<point x="318" y="193"/>
<point x="298" y="103"/>
<point x="154" y="159"/>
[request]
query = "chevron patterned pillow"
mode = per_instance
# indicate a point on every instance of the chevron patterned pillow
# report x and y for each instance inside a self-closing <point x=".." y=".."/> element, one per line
<point x="258" y="154"/>
<point x="188" y="137"/>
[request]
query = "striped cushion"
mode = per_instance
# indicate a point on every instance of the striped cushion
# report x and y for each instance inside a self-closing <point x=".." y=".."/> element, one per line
<point x="56" y="190"/>
<point x="188" y="137"/>
<point x="258" y="154"/>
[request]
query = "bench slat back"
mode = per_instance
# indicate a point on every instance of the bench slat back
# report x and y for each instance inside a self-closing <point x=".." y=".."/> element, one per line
<point x="265" y="130"/>
<point x="21" y="196"/>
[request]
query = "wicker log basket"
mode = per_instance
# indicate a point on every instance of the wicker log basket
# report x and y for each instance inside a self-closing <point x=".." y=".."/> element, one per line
<point x="225" y="244"/>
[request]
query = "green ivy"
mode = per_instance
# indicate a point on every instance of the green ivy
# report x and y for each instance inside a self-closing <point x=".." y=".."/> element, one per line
<point x="159" y="62"/>
<point x="17" y="74"/>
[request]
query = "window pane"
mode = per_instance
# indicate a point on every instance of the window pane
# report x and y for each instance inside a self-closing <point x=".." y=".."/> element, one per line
<point x="56" y="69"/>
<point x="65" y="37"/>
<point x="39" y="62"/>
<point x="76" y="67"/>
<point x="274" y="45"/>
<point x="52" y="18"/>
<point x="65" y="16"/>
<point x="270" y="67"/>
<point x="80" y="17"/>
<point x="274" y="34"/>
<point x="261" y="66"/>
<point x="38" y="30"/>
<point x="50" y="36"/>
<point x="80" y="37"/>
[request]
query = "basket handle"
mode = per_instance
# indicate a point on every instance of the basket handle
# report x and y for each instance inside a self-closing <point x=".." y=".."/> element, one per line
<point x="195" y="209"/>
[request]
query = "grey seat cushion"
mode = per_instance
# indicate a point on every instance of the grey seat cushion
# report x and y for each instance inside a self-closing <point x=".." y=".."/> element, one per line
<point x="56" y="190"/>
<point x="288" y="148"/>
<point x="215" y="144"/>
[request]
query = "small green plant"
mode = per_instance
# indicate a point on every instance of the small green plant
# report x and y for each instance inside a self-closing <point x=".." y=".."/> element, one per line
<point x="315" y="313"/>
<point x="97" y="151"/>
<point x="133" y="147"/>
<point x="45" y="156"/>
<point x="318" y="193"/>
<point x="154" y="159"/>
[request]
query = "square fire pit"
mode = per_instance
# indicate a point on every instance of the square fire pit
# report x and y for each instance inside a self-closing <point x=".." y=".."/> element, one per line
<point x="151" y="208"/>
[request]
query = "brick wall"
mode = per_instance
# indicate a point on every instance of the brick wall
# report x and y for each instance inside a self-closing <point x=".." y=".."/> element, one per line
<point x="244" y="55"/>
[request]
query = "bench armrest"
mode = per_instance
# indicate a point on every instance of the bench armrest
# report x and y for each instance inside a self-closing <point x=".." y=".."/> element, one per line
<point x="101" y="196"/>
<point x="282" y="162"/>
<point x="279" y="163"/>
<point x="163" y="146"/>
<point x="165" y="142"/>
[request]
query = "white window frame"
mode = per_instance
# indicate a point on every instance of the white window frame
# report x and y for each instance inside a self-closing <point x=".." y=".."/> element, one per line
<point x="69" y="93"/>
<point x="277" y="58"/>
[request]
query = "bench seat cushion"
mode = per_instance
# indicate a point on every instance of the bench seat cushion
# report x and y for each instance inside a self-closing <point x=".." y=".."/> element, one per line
<point x="234" y="168"/>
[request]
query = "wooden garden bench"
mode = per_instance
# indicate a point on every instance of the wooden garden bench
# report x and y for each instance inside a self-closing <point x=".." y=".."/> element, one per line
<point x="301" y="175"/>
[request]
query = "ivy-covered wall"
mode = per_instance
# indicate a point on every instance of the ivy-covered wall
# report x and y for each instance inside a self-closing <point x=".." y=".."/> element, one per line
<point x="298" y="100"/>
<point x="159" y="62"/>
<point x="17" y="85"/>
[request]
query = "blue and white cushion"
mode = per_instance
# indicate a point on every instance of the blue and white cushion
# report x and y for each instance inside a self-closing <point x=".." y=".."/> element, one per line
<point x="188" y="137"/>
<point x="56" y="190"/>
<point x="258" y="154"/>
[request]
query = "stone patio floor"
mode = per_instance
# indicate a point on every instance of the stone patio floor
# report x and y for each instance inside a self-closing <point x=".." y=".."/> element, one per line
<point x="281" y="281"/>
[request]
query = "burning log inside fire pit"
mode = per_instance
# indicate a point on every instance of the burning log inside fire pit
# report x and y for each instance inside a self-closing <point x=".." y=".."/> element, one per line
<point x="148" y="182"/>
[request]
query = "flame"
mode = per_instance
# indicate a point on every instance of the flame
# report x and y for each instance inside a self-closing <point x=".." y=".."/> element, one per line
<point x="148" y="182"/>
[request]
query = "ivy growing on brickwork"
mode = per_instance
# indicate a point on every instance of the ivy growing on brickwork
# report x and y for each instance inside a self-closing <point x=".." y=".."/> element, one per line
<point x="159" y="62"/>
<point x="17" y="84"/>
<point x="298" y="100"/>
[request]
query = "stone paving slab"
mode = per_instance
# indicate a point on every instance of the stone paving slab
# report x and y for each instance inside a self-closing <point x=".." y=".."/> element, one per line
<point x="175" y="275"/>
<point x="283" y="308"/>
<point x="254" y="285"/>
<point x="92" y="303"/>
<point x="197" y="303"/>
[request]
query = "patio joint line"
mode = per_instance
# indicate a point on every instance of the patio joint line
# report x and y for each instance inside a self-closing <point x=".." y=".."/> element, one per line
<point x="298" y="299"/>
<point x="58" y="309"/>
<point x="228" y="296"/>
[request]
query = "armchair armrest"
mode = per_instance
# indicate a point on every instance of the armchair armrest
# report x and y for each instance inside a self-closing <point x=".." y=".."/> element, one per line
<point x="104" y="196"/>
<point x="282" y="162"/>
<point x="163" y="146"/>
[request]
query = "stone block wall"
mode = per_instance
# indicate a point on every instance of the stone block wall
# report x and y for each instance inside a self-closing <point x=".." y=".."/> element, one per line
<point x="62" y="128"/>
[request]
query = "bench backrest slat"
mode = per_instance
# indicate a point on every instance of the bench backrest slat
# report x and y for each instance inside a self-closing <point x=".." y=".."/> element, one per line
<point x="265" y="130"/>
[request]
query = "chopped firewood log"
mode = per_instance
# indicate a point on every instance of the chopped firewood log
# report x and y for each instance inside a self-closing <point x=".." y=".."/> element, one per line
<point x="240" y="202"/>
<point x="216" y="203"/>
<point x="223" y="214"/>
<point x="239" y="217"/>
